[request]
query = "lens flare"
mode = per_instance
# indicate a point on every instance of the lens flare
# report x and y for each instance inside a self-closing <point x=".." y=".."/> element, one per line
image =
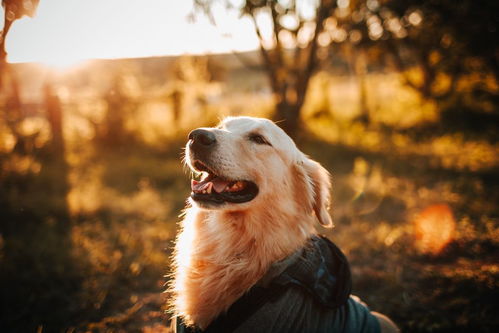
<point x="434" y="228"/>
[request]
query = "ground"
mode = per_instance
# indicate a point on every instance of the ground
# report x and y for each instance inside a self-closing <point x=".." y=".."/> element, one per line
<point x="414" y="203"/>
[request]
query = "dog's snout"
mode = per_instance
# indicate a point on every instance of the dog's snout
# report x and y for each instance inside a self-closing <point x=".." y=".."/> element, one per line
<point x="202" y="138"/>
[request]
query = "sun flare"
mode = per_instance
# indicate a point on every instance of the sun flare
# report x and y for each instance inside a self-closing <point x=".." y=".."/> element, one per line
<point x="64" y="32"/>
<point x="434" y="228"/>
<point x="61" y="62"/>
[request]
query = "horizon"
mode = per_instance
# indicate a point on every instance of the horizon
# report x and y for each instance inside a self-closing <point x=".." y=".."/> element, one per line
<point x="64" y="33"/>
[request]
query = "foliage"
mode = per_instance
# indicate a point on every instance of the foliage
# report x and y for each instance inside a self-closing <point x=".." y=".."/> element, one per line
<point x="288" y="33"/>
<point x="91" y="183"/>
<point x="14" y="10"/>
<point x="445" y="42"/>
<point x="85" y="245"/>
<point x="443" y="38"/>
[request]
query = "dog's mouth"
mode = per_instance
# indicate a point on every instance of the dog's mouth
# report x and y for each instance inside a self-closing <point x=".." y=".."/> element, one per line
<point x="216" y="189"/>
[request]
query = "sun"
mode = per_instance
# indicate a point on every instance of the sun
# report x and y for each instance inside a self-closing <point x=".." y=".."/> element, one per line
<point x="60" y="62"/>
<point x="63" y="32"/>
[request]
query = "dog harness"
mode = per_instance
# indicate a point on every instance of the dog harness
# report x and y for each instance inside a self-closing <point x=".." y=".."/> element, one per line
<point x="307" y="292"/>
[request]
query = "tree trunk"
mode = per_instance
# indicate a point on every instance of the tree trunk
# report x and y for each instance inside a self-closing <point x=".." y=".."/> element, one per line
<point x="114" y="134"/>
<point x="288" y="116"/>
<point x="55" y="167"/>
<point x="54" y="116"/>
<point x="361" y="72"/>
<point x="428" y="78"/>
<point x="3" y="53"/>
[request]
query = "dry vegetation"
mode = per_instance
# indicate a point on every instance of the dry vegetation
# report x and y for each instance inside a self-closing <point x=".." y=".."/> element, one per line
<point x="415" y="199"/>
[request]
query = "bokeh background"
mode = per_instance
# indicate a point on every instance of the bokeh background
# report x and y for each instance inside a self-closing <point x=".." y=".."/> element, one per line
<point x="398" y="99"/>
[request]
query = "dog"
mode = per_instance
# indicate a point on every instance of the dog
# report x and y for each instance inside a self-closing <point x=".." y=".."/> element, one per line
<point x="248" y="257"/>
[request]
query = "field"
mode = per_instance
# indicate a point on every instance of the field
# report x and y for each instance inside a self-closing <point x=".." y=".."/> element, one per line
<point x="85" y="243"/>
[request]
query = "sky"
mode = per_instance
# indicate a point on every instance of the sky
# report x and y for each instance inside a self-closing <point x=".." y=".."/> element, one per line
<point x="64" y="32"/>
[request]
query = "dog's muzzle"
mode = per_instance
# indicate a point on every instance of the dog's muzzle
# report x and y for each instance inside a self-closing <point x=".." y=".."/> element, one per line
<point x="214" y="188"/>
<point x="201" y="140"/>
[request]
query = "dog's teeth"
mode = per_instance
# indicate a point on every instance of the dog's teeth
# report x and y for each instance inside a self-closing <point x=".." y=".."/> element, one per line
<point x="235" y="187"/>
<point x="210" y="185"/>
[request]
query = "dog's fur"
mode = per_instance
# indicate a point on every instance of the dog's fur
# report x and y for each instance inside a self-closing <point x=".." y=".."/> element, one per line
<point x="222" y="251"/>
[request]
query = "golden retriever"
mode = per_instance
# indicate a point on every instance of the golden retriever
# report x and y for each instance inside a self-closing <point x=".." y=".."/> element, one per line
<point x="255" y="205"/>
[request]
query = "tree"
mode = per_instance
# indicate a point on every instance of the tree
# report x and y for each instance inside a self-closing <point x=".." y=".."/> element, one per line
<point x="445" y="40"/>
<point x="121" y="103"/>
<point x="190" y="78"/>
<point x="288" y="34"/>
<point x="442" y="38"/>
<point x="13" y="10"/>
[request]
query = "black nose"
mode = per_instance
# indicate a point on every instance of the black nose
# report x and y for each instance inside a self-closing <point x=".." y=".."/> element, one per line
<point x="202" y="137"/>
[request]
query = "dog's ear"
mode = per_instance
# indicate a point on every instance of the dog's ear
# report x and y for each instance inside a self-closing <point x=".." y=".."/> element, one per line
<point x="320" y="180"/>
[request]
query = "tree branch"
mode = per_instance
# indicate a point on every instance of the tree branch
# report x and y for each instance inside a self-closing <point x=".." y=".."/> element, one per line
<point x="266" y="56"/>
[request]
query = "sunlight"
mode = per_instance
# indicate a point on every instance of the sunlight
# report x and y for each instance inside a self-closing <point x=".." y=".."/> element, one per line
<point x="434" y="228"/>
<point x="64" y="32"/>
<point x="61" y="62"/>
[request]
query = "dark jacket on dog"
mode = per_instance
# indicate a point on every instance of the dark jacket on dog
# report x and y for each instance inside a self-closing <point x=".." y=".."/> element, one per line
<point x="307" y="292"/>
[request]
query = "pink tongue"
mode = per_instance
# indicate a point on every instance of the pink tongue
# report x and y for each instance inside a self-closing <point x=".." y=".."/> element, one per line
<point x="198" y="186"/>
<point x="218" y="185"/>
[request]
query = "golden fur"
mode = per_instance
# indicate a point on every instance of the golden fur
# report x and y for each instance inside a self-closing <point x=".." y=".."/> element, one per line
<point x="221" y="253"/>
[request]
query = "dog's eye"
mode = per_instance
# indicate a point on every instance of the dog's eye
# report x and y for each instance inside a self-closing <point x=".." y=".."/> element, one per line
<point x="257" y="138"/>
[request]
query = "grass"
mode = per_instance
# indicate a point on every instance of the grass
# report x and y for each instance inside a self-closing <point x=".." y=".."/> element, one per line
<point x="414" y="203"/>
<point x="384" y="191"/>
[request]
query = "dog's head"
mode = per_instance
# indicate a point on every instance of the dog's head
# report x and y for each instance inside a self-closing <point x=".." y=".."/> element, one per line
<point x="251" y="163"/>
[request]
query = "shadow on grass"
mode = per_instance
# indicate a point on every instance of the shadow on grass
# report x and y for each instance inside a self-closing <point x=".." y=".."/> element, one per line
<point x="419" y="170"/>
<point x="107" y="273"/>
<point x="455" y="119"/>
<point x="39" y="276"/>
<point x="452" y="291"/>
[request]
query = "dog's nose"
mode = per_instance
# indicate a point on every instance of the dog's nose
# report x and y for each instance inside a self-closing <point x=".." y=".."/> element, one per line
<point x="203" y="138"/>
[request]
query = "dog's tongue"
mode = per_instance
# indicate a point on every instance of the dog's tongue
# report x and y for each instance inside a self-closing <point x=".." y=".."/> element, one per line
<point x="218" y="184"/>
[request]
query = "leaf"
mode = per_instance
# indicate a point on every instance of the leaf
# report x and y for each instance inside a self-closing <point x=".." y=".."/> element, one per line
<point x="16" y="9"/>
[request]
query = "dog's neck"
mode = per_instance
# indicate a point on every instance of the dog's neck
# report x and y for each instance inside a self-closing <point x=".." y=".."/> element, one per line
<point x="221" y="254"/>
